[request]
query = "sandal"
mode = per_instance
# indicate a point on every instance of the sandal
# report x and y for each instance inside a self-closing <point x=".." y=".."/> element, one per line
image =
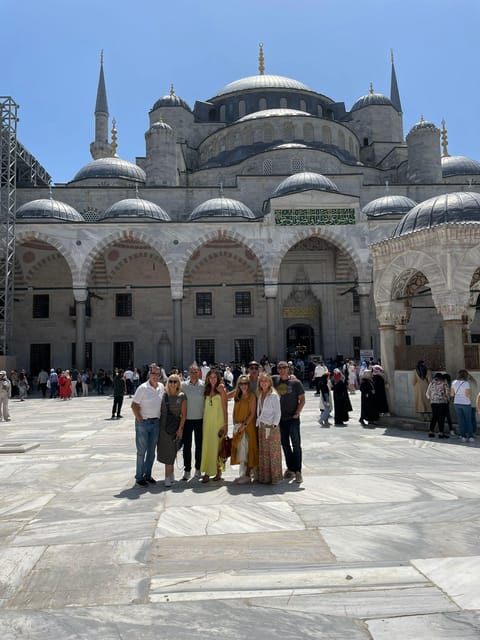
<point x="205" y="479"/>
<point x="217" y="477"/>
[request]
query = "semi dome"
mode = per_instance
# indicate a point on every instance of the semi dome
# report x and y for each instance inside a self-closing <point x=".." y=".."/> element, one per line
<point x="370" y="100"/>
<point x="221" y="208"/>
<point x="459" y="166"/>
<point x="47" y="208"/>
<point x="388" y="206"/>
<point x="450" y="208"/>
<point x="271" y="113"/>
<point x="112" y="167"/>
<point x="262" y="82"/>
<point x="171" y="100"/>
<point x="304" y="181"/>
<point x="135" y="208"/>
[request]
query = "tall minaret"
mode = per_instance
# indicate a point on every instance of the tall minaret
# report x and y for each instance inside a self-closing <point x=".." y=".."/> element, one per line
<point x="101" y="148"/>
<point x="394" y="93"/>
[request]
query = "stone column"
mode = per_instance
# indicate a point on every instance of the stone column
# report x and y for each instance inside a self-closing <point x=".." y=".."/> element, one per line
<point x="453" y="306"/>
<point x="389" y="316"/>
<point x="177" y="329"/>
<point x="364" y="301"/>
<point x="271" y="292"/>
<point x="80" y="296"/>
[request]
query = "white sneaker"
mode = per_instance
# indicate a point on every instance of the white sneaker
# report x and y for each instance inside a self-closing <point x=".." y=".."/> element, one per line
<point x="464" y="439"/>
<point x="471" y="439"/>
<point x="198" y="473"/>
<point x="187" y="475"/>
<point x="288" y="474"/>
<point x="168" y="481"/>
<point x="298" y="477"/>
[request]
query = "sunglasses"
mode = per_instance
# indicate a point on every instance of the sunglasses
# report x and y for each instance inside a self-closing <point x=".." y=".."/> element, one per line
<point x="172" y="382"/>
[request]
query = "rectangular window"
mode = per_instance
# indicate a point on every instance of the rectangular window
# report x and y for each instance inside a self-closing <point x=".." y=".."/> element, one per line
<point x="356" y="301"/>
<point x="41" y="306"/>
<point x="122" y="355"/>
<point x="123" y="305"/>
<point x="205" y="350"/>
<point x="203" y="304"/>
<point x="243" y="303"/>
<point x="243" y="349"/>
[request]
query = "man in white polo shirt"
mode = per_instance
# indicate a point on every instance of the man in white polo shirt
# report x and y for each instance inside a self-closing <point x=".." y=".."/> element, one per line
<point x="146" y="405"/>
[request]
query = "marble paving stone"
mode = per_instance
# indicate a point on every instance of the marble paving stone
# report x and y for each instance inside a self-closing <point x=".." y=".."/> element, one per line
<point x="448" y="626"/>
<point x="85" y="530"/>
<point x="421" y="511"/>
<point x="18" y="447"/>
<point x="23" y="504"/>
<point x="226" y="519"/>
<point x="178" y="621"/>
<point x="402" y="541"/>
<point x="237" y="551"/>
<point x="15" y="565"/>
<point x="459" y="578"/>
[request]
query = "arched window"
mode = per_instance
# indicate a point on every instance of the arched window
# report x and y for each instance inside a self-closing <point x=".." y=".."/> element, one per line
<point x="326" y="134"/>
<point x="223" y="111"/>
<point x="308" y="132"/>
<point x="212" y="115"/>
<point x="258" y="135"/>
<point x="341" y="140"/>
<point x="268" y="133"/>
<point x="241" y="108"/>
<point x="288" y="132"/>
<point x="319" y="110"/>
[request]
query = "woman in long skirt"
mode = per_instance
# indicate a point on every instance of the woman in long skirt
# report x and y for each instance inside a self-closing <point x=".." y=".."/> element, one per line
<point x="341" y="399"/>
<point x="215" y="425"/>
<point x="173" y="413"/>
<point x="245" y="443"/>
<point x="269" y="442"/>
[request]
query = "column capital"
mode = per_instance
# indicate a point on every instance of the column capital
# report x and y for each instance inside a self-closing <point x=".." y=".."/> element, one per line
<point x="271" y="290"/>
<point x="451" y="305"/>
<point x="80" y="294"/>
<point x="391" y="314"/>
<point x="176" y="289"/>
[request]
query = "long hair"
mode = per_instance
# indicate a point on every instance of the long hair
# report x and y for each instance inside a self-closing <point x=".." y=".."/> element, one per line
<point x="271" y="388"/>
<point x="208" y="385"/>
<point x="238" y="391"/>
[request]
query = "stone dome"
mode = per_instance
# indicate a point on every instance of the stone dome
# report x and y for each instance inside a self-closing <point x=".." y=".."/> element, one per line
<point x="388" y="206"/>
<point x="262" y="82"/>
<point x="459" y="166"/>
<point x="450" y="208"/>
<point x="112" y="167"/>
<point x="271" y="113"/>
<point x="221" y="208"/>
<point x="304" y="181"/>
<point x="48" y="208"/>
<point x="159" y="124"/>
<point x="423" y="125"/>
<point x="135" y="208"/>
<point x="170" y="100"/>
<point x="370" y="100"/>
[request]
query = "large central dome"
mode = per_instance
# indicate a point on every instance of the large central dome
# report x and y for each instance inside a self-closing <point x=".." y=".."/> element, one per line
<point x="262" y="82"/>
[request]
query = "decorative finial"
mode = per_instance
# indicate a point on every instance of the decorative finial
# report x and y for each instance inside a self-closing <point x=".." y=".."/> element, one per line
<point x="114" y="137"/>
<point x="101" y="57"/>
<point x="172" y="90"/>
<point x="443" y="132"/>
<point x="422" y="119"/>
<point x="371" y="88"/>
<point x="261" y="60"/>
<point x="391" y="56"/>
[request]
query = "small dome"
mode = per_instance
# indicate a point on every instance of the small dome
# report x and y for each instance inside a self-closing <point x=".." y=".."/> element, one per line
<point x="262" y="82"/>
<point x="161" y="125"/>
<point x="113" y="167"/>
<point x="271" y="113"/>
<point x="135" y="208"/>
<point x="423" y="125"/>
<point x="221" y="208"/>
<point x="450" y="208"/>
<point x="370" y="100"/>
<point x="49" y="208"/>
<point x="459" y="166"/>
<point x="388" y="206"/>
<point x="304" y="181"/>
<point x="170" y="101"/>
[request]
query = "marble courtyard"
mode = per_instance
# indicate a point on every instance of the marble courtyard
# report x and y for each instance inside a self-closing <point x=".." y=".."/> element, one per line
<point x="380" y="542"/>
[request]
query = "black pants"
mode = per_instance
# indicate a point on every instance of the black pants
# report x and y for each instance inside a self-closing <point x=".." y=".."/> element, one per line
<point x="192" y="428"/>
<point x="439" y="413"/>
<point x="117" y="405"/>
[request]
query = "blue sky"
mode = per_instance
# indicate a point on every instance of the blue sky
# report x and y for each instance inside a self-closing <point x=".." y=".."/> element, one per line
<point x="51" y="53"/>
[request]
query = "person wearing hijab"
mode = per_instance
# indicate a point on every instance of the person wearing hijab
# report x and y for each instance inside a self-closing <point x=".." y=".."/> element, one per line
<point x="341" y="399"/>
<point x="368" y="401"/>
<point x="421" y="378"/>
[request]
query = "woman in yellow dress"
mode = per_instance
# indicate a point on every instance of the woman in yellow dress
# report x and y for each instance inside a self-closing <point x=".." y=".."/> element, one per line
<point x="245" y="439"/>
<point x="215" y="425"/>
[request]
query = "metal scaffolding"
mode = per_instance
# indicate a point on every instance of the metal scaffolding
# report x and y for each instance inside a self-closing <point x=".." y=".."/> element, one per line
<point x="8" y="183"/>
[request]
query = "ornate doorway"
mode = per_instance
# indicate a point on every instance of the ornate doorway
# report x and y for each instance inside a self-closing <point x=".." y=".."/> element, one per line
<point x="300" y="341"/>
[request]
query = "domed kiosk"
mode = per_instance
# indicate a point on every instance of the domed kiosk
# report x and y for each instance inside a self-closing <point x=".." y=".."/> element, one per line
<point x="111" y="168"/>
<point x="304" y="181"/>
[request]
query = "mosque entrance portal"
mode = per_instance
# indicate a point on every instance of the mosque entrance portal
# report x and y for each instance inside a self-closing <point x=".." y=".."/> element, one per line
<point x="300" y="341"/>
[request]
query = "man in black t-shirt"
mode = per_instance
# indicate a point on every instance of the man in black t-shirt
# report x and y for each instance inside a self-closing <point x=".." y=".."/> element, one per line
<point x="292" y="401"/>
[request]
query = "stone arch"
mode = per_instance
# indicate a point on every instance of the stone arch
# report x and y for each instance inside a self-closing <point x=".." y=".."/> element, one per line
<point x="327" y="234"/>
<point x="26" y="236"/>
<point x="141" y="253"/>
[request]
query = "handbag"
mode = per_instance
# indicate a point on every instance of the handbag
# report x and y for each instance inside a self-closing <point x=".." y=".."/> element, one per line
<point x="225" y="449"/>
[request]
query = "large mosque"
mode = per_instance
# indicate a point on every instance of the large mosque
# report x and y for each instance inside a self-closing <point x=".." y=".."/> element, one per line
<point x="267" y="219"/>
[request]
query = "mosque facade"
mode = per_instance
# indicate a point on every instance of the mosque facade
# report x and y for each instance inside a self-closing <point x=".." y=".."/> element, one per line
<point x="268" y="219"/>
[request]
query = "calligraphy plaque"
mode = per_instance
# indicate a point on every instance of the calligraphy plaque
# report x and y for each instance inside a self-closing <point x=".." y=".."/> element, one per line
<point x="313" y="217"/>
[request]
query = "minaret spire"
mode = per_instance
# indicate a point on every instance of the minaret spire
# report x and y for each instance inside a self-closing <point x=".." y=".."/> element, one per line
<point x="394" y="93"/>
<point x="443" y="133"/>
<point x="261" y="60"/>
<point x="101" y="148"/>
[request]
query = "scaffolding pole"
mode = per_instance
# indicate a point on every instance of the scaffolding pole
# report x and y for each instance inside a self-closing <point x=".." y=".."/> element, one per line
<point x="8" y="167"/>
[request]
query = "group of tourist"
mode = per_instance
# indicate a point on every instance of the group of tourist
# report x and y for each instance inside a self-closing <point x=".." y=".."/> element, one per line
<point x="265" y="417"/>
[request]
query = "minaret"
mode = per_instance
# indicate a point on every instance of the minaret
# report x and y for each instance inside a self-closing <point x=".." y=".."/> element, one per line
<point x="394" y="93"/>
<point x="101" y="147"/>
